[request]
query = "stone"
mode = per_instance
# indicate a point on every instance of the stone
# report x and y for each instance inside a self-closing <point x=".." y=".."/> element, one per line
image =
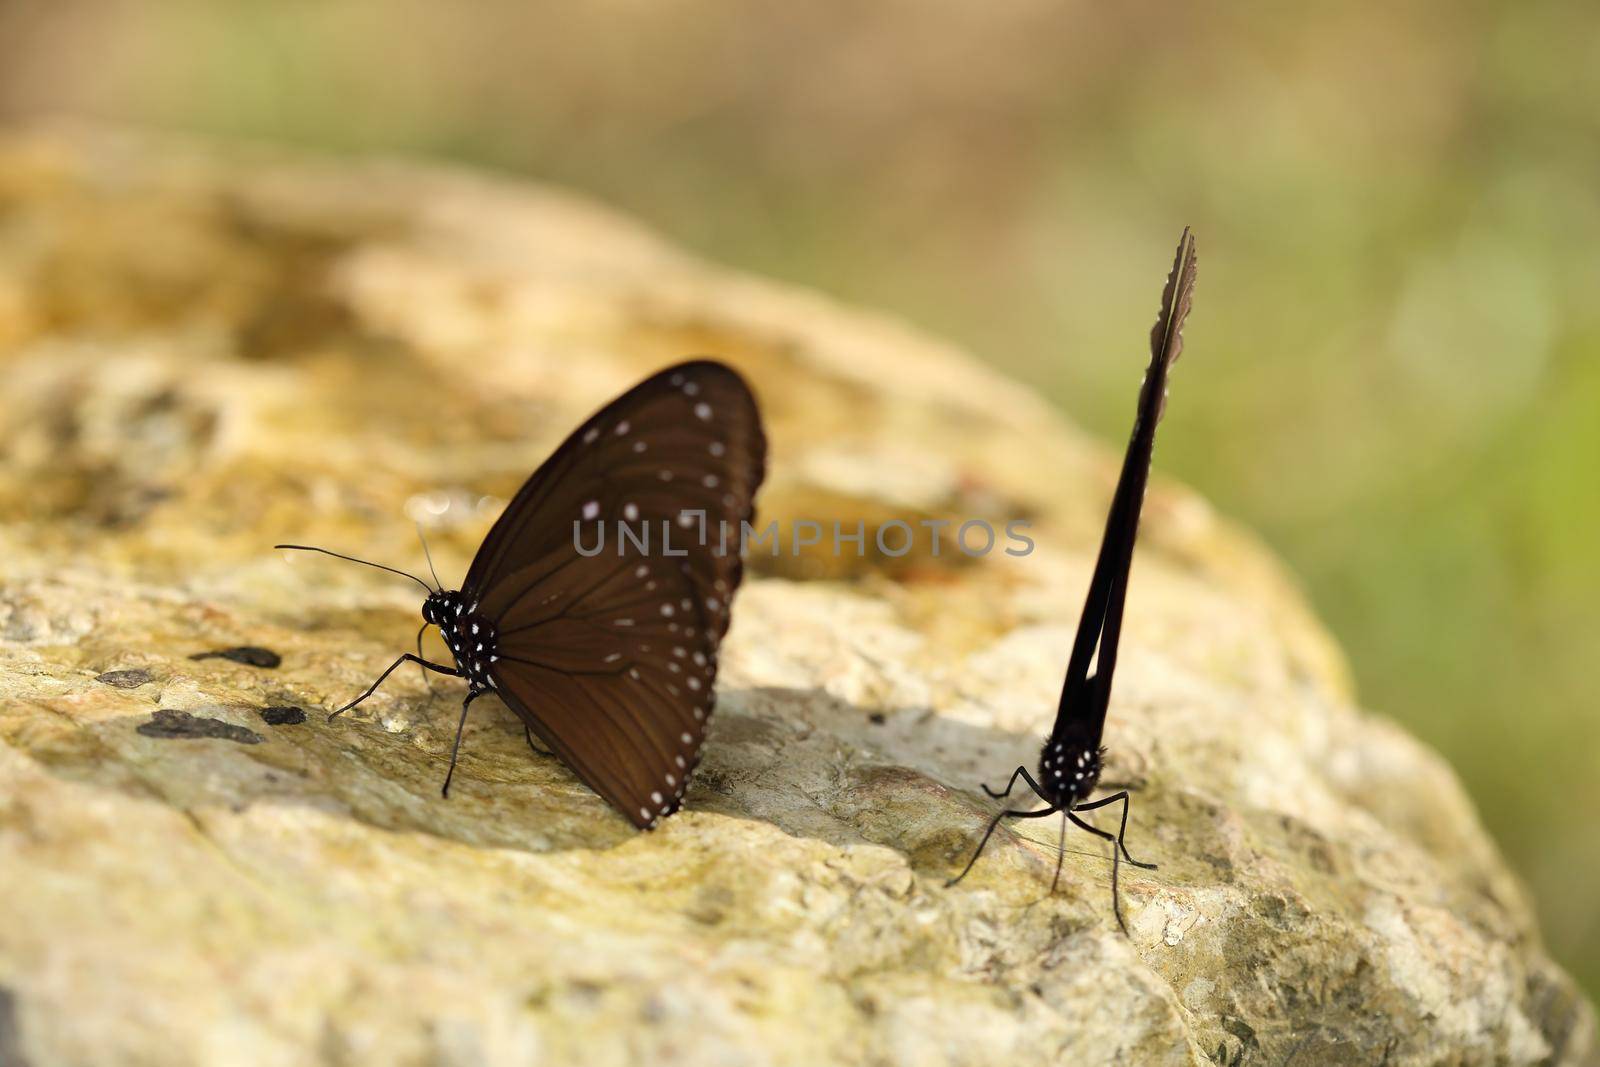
<point x="283" y="715"/>
<point x="209" y="350"/>
<point x="180" y="725"/>
<point x="249" y="655"/>
<point x="131" y="679"/>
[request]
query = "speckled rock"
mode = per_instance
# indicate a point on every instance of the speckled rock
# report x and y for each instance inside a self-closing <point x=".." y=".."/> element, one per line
<point x="206" y="351"/>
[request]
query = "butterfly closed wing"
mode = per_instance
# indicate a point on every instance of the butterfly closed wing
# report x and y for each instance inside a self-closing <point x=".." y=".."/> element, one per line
<point x="1071" y="760"/>
<point x="597" y="603"/>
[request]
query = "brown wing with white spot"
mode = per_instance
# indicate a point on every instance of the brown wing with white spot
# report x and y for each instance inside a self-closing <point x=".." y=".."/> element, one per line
<point x="608" y="631"/>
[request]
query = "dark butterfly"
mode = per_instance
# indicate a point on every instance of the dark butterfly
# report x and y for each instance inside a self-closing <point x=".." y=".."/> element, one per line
<point x="1070" y="763"/>
<point x="610" y="656"/>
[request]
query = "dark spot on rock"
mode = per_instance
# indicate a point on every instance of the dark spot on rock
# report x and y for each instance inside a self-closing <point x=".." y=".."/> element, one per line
<point x="586" y="991"/>
<point x="124" y="679"/>
<point x="655" y="1010"/>
<point x="10" y="1033"/>
<point x="126" y="506"/>
<point x="250" y="655"/>
<point x="1246" y="1035"/>
<point x="867" y="1004"/>
<point x="283" y="715"/>
<point x="878" y="718"/>
<point x="710" y="907"/>
<point x="183" y="726"/>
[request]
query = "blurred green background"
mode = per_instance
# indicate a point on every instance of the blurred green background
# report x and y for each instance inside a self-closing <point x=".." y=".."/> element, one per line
<point x="1396" y="368"/>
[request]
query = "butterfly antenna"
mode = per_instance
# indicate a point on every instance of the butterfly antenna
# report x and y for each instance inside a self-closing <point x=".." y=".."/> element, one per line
<point x="429" y="556"/>
<point x="363" y="562"/>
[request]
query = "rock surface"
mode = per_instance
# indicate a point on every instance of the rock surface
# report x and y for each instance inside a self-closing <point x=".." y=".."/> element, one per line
<point x="206" y="351"/>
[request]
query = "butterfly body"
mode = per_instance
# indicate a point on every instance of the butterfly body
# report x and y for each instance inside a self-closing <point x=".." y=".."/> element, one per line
<point x="472" y="638"/>
<point x="1069" y="772"/>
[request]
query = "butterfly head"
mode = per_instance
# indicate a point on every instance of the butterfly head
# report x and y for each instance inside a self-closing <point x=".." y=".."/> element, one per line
<point x="1069" y="770"/>
<point x="440" y="607"/>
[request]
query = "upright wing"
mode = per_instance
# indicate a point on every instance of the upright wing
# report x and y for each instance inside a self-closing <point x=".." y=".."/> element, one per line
<point x="609" y="653"/>
<point x="1082" y="711"/>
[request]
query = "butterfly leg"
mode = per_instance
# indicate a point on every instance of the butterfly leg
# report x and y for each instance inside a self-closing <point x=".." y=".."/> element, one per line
<point x="1061" y="854"/>
<point x="373" y="688"/>
<point x="1122" y="830"/>
<point x="455" y="748"/>
<point x="1116" y="847"/>
<point x="1020" y="772"/>
<point x="526" y="732"/>
<point x="1116" y="895"/>
<point x="423" y="670"/>
<point x="993" y="823"/>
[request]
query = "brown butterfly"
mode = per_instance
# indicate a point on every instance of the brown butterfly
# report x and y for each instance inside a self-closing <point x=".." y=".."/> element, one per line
<point x="610" y="656"/>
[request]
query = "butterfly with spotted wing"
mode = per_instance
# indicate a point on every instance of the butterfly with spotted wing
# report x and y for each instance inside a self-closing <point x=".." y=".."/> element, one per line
<point x="1071" y="761"/>
<point x="610" y="656"/>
